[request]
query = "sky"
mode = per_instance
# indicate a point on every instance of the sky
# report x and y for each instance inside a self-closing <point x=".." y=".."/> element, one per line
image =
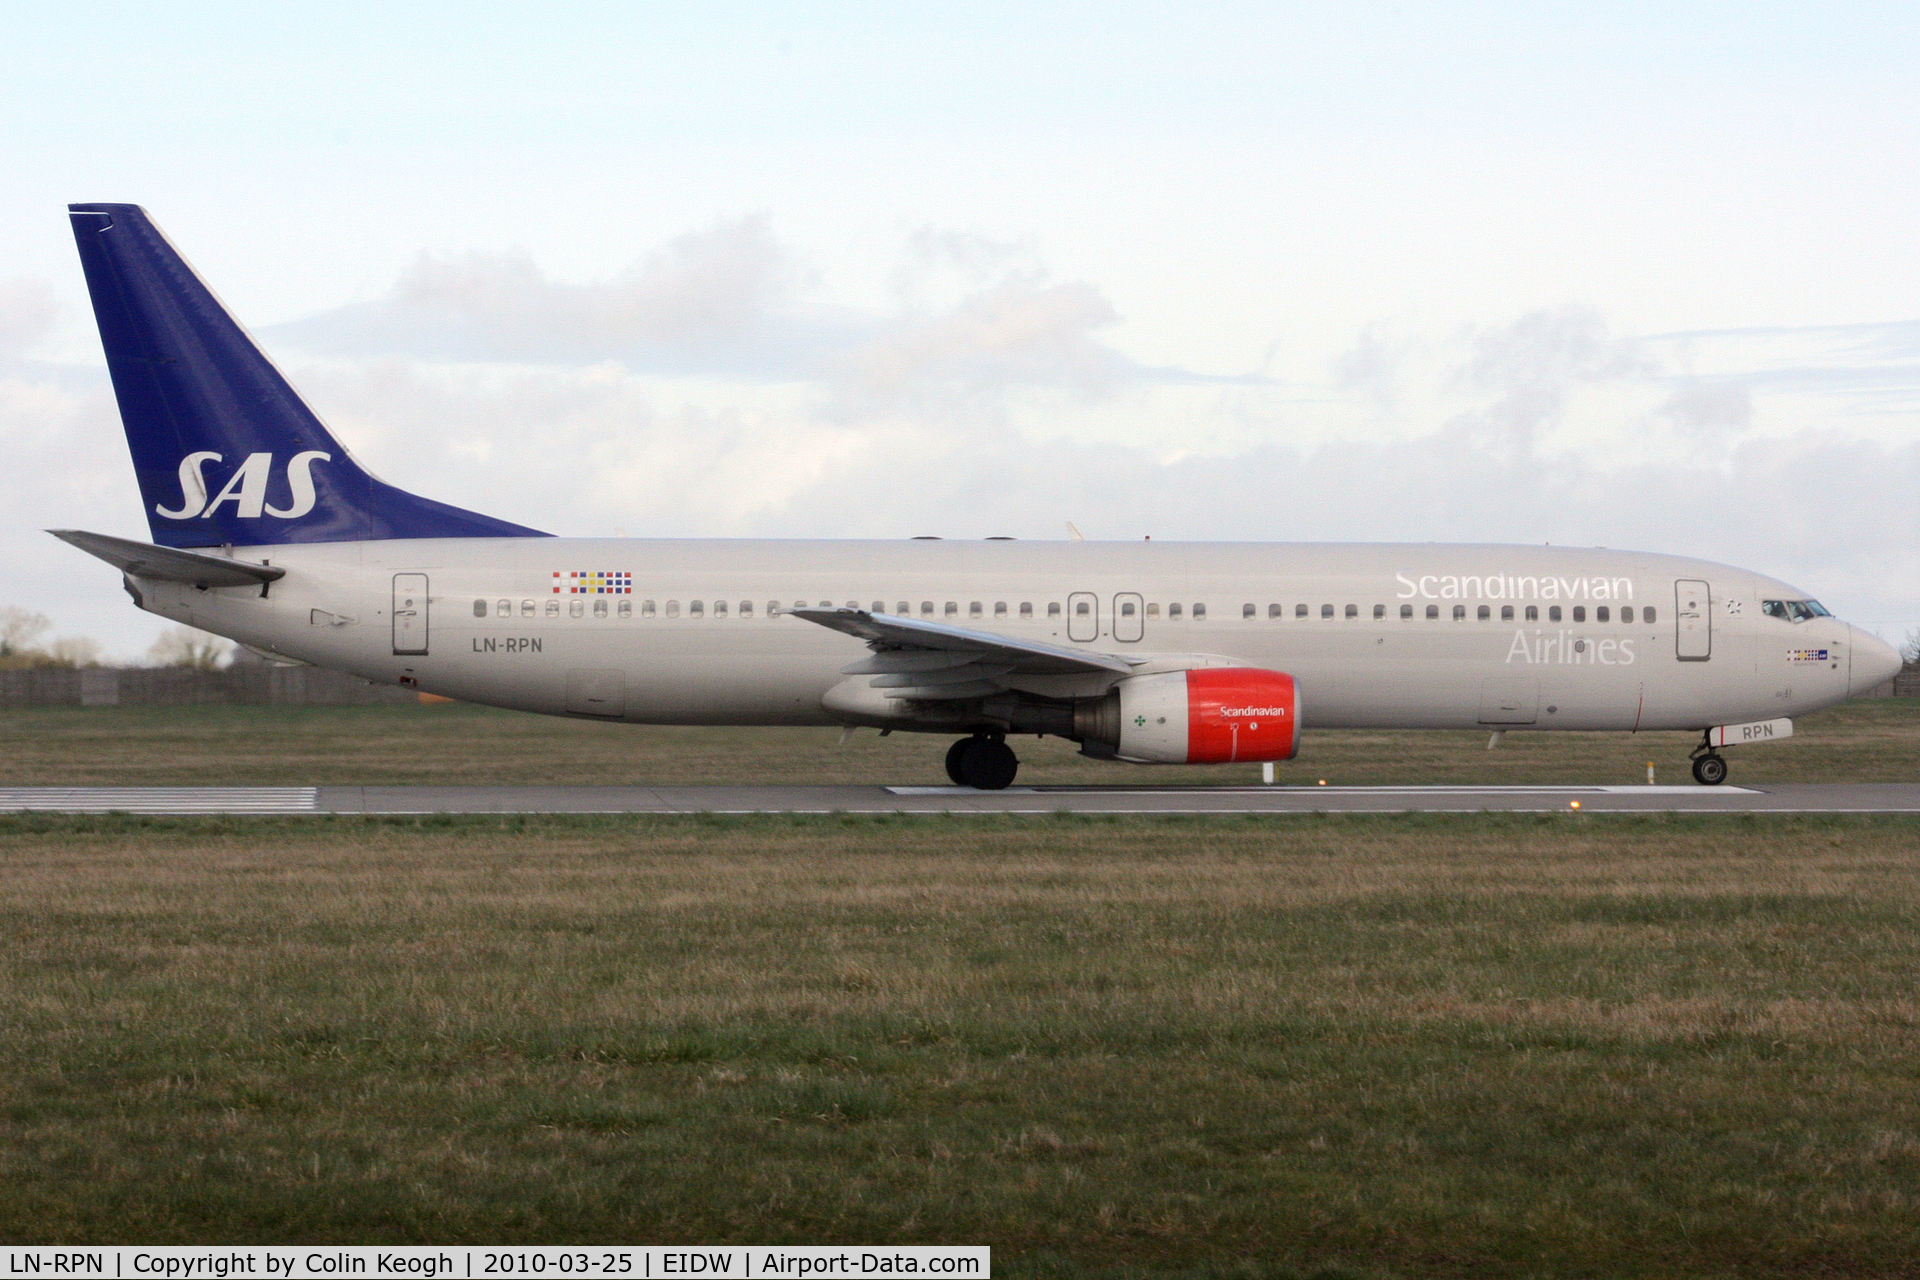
<point x="1627" y="275"/>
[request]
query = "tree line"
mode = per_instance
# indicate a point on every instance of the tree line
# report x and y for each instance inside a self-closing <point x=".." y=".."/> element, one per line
<point x="23" y="645"/>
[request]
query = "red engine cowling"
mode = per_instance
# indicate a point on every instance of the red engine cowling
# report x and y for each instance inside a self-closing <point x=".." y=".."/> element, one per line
<point x="1210" y="715"/>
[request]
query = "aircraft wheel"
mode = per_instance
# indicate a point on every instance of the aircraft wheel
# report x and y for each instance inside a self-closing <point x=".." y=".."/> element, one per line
<point x="987" y="764"/>
<point x="1710" y="770"/>
<point x="955" y="754"/>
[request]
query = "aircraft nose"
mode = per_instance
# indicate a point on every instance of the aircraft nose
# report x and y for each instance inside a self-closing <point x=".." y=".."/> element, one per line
<point x="1874" y="662"/>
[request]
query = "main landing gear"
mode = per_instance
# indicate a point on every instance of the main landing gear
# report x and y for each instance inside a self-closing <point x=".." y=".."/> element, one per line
<point x="1709" y="766"/>
<point x="984" y="761"/>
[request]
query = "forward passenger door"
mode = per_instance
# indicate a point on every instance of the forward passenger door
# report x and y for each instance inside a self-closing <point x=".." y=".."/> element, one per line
<point x="1693" y="620"/>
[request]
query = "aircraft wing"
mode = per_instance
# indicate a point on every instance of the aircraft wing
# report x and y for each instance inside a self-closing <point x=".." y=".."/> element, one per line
<point x="169" y="564"/>
<point x="933" y="662"/>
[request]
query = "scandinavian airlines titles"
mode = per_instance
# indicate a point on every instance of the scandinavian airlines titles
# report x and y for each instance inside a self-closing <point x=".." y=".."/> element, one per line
<point x="1508" y="586"/>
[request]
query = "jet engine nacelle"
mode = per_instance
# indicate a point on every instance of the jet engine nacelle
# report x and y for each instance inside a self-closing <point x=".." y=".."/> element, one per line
<point x="1209" y="715"/>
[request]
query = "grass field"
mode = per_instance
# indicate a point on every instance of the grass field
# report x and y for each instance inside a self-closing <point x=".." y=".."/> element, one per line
<point x="1362" y="1046"/>
<point x="1346" y="1046"/>
<point x="1869" y="741"/>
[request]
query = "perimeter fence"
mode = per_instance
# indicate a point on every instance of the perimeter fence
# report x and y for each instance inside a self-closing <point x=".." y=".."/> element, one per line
<point x="250" y="685"/>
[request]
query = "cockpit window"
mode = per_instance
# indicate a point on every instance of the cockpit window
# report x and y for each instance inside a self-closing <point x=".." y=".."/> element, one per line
<point x="1794" y="610"/>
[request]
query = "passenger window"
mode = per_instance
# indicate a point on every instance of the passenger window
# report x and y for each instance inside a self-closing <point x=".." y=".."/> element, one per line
<point x="774" y="609"/>
<point x="599" y="608"/>
<point x="673" y="608"/>
<point x="1553" y="613"/>
<point x="1299" y="611"/>
<point x="1026" y="608"/>
<point x="1484" y="613"/>
<point x="1406" y="611"/>
<point x="1153" y="609"/>
<point x="626" y="608"/>
<point x="696" y="608"/>
<point x="1053" y="608"/>
<point x="1506" y="613"/>
<point x="1459" y="613"/>
<point x="1379" y="612"/>
<point x="1353" y="611"/>
<point x="746" y="608"/>
<point x="1126" y="609"/>
<point x="1249" y="611"/>
<point x="1433" y="613"/>
<point x="953" y="608"/>
<point x="999" y="608"/>
<point x="1646" y="614"/>
<point x="1600" y="613"/>
<point x="1579" y="613"/>
<point x="1173" y="611"/>
<point x="646" y="608"/>
<point x="879" y="606"/>
<point x="1533" y="613"/>
<point x="719" y="608"/>
<point x="1626" y="613"/>
<point x="926" y="608"/>
<point x="1081" y="609"/>
<point x="1275" y="611"/>
<point x="576" y="608"/>
<point x="975" y="609"/>
<point x="1199" y="612"/>
<point x="503" y="609"/>
<point x="479" y="608"/>
<point x="526" y="608"/>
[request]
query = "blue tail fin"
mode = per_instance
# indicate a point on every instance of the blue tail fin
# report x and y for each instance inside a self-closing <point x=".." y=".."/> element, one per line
<point x="225" y="450"/>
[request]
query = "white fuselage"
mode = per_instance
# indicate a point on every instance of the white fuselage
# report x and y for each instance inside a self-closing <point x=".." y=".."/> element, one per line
<point x="1376" y="635"/>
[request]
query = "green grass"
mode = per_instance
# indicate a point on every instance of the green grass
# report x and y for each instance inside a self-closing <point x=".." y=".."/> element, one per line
<point x="1868" y="741"/>
<point x="1369" y="1046"/>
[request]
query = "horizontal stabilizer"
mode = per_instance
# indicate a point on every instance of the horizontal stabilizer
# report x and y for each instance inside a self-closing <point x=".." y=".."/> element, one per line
<point x="169" y="564"/>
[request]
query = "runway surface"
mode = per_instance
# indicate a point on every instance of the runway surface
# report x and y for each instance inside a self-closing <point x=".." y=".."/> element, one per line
<point x="1791" y="798"/>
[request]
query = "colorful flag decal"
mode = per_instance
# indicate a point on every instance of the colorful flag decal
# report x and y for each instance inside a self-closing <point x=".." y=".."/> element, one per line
<point x="592" y="582"/>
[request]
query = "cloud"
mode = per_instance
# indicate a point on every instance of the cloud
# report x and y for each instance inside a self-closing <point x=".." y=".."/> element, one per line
<point x="1530" y="369"/>
<point x="723" y="300"/>
<point x="27" y="315"/>
<point x="1020" y="333"/>
<point x="969" y="319"/>
<point x="1709" y="410"/>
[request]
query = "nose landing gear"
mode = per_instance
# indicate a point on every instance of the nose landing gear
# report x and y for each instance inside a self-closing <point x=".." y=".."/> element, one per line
<point x="984" y="762"/>
<point x="1709" y="766"/>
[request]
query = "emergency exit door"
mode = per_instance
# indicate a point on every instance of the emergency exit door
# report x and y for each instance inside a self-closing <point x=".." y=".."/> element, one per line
<point x="1083" y="616"/>
<point x="1694" y="637"/>
<point x="409" y="613"/>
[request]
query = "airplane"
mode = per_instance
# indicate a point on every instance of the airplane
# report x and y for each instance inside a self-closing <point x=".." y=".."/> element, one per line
<point x="266" y="530"/>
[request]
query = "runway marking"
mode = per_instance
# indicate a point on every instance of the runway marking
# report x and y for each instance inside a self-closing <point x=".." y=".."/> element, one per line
<point x="1291" y="791"/>
<point x="158" y="799"/>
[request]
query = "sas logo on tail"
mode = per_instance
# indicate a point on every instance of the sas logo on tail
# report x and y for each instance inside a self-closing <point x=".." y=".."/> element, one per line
<point x="246" y="488"/>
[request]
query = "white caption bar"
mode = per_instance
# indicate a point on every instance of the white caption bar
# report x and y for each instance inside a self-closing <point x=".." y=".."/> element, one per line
<point x="497" y="1262"/>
